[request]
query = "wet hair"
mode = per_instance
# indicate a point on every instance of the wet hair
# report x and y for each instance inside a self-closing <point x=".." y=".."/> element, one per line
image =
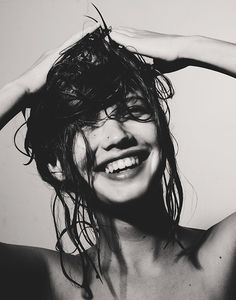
<point x="93" y="74"/>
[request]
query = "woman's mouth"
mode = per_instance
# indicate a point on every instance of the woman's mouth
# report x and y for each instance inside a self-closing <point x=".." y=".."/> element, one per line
<point x="122" y="164"/>
<point x="125" y="167"/>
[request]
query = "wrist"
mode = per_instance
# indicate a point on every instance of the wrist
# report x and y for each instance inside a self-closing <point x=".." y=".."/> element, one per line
<point x="192" y="47"/>
<point x="20" y="85"/>
<point x="15" y="88"/>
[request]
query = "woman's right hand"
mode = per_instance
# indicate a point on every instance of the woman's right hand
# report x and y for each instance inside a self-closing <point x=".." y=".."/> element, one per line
<point x="34" y="78"/>
<point x="13" y="94"/>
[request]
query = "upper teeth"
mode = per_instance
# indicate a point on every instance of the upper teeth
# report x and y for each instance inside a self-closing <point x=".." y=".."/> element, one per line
<point x="121" y="164"/>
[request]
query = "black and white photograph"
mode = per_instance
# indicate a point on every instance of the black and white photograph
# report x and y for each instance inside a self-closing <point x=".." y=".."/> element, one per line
<point x="118" y="150"/>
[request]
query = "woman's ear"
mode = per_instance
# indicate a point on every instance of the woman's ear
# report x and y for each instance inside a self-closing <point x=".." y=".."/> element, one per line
<point x="56" y="170"/>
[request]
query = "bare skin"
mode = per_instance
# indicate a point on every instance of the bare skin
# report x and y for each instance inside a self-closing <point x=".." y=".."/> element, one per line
<point x="161" y="276"/>
<point x="153" y="271"/>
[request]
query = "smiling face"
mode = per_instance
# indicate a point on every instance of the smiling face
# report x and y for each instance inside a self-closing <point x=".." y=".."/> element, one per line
<point x="89" y="75"/>
<point x="126" y="154"/>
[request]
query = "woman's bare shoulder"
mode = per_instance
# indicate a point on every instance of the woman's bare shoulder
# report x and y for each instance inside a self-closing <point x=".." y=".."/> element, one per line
<point x="213" y="252"/>
<point x="36" y="273"/>
<point x="218" y="256"/>
<point x="23" y="272"/>
<point x="213" y="247"/>
<point x="220" y="235"/>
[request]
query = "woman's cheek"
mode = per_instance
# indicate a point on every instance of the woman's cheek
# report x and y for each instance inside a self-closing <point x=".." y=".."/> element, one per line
<point x="79" y="155"/>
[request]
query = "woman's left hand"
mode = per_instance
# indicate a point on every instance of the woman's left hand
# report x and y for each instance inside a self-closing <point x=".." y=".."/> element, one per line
<point x="152" y="44"/>
<point x="174" y="52"/>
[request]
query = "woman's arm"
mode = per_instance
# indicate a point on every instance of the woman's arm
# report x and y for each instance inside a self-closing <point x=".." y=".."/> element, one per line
<point x="26" y="272"/>
<point x="216" y="54"/>
<point x="12" y="96"/>
<point x="193" y="50"/>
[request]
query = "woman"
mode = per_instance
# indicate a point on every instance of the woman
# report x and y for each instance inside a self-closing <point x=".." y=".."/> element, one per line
<point x="98" y="131"/>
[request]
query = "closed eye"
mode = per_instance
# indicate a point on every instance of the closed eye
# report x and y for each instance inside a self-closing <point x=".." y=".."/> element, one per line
<point x="139" y="112"/>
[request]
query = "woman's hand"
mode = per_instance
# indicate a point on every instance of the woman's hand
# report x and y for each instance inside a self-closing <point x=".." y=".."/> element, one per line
<point x="174" y="52"/>
<point x="167" y="50"/>
<point x="12" y="95"/>
<point x="152" y="44"/>
<point x="34" y="78"/>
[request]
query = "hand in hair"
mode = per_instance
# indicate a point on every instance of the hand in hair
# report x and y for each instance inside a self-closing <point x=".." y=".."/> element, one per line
<point x="174" y="52"/>
<point x="149" y="43"/>
<point x="33" y="79"/>
<point x="12" y="95"/>
<point x="167" y="50"/>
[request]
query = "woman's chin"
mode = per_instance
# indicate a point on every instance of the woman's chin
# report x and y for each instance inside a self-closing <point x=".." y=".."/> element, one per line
<point x="128" y="185"/>
<point x="124" y="193"/>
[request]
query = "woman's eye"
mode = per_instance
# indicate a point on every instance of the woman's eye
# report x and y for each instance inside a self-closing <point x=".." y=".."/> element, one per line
<point x="140" y="112"/>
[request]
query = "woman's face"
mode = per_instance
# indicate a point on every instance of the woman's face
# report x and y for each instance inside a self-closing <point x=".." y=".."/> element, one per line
<point x="126" y="156"/>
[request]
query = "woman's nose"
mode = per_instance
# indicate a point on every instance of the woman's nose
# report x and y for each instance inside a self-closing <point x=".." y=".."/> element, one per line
<point x="115" y="135"/>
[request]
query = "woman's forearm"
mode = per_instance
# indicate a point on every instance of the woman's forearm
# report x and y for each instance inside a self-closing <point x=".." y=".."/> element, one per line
<point x="218" y="54"/>
<point x="11" y="101"/>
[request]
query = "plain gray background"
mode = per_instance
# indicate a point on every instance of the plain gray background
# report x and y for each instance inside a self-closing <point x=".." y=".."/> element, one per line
<point x="203" y="109"/>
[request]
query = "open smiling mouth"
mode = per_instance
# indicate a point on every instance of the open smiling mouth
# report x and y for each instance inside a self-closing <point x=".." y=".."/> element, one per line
<point x="130" y="164"/>
<point x="122" y="164"/>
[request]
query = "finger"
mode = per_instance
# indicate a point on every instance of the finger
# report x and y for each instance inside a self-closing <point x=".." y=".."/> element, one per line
<point x="121" y="35"/>
<point x="123" y="38"/>
<point x="124" y="28"/>
<point x="124" y="41"/>
<point x="130" y="30"/>
<point x="78" y="36"/>
<point x="124" y="31"/>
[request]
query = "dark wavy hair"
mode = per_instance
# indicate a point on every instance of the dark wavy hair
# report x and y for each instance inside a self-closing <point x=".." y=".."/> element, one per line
<point x="89" y="76"/>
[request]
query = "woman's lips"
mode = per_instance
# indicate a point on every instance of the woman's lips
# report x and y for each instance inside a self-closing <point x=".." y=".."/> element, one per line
<point x="122" y="164"/>
<point x="122" y="161"/>
<point x="127" y="172"/>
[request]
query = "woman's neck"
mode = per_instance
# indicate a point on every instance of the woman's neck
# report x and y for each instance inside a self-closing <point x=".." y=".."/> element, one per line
<point x="139" y="248"/>
<point x="135" y="232"/>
